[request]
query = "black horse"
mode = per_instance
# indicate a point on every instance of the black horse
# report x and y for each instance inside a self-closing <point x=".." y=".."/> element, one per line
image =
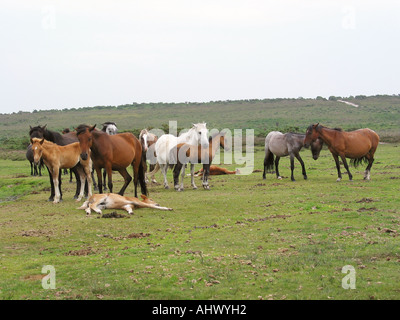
<point x="62" y="140"/>
<point x="34" y="167"/>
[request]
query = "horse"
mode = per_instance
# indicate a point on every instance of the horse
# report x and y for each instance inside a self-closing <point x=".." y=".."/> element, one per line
<point x="34" y="166"/>
<point x="196" y="135"/>
<point x="281" y="145"/>
<point x="57" y="157"/>
<point x="216" y="171"/>
<point x="110" y="128"/>
<point x="62" y="140"/>
<point x="114" y="152"/>
<point x="358" y="145"/>
<point x="97" y="202"/>
<point x="147" y="139"/>
<point x="184" y="153"/>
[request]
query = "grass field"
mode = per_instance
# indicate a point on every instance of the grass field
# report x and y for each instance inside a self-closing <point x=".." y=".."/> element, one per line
<point x="246" y="238"/>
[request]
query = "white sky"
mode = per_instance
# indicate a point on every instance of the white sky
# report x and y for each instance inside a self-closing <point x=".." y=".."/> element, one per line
<point x="65" y="53"/>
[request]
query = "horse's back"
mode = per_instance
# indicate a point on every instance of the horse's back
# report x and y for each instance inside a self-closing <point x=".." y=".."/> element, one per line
<point x="360" y="142"/>
<point x="276" y="143"/>
<point x="163" y="146"/>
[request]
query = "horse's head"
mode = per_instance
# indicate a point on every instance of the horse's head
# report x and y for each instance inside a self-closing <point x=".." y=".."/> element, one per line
<point x="37" y="149"/>
<point x="311" y="135"/>
<point x="148" y="200"/>
<point x="316" y="147"/>
<point x="222" y="140"/>
<point x="84" y="134"/>
<point x="143" y="136"/>
<point x="37" y="132"/>
<point x="201" y="132"/>
<point x="110" y="128"/>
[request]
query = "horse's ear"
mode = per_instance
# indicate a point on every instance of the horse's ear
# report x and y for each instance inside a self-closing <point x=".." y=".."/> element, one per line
<point x="41" y="141"/>
<point x="31" y="141"/>
<point x="92" y="128"/>
<point x="30" y="127"/>
<point x="44" y="127"/>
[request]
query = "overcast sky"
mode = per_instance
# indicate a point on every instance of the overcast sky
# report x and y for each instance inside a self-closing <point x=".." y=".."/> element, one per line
<point x="64" y="53"/>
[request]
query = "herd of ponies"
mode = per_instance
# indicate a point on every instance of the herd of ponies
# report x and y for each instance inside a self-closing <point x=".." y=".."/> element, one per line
<point x="88" y="149"/>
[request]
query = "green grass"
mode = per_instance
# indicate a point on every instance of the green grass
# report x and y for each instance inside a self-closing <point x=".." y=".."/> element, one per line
<point x="246" y="238"/>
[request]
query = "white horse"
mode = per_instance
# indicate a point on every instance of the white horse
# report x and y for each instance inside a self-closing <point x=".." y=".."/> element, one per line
<point x="196" y="135"/>
<point x="147" y="139"/>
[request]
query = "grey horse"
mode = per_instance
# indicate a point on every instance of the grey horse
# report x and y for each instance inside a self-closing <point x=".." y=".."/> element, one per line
<point x="281" y="145"/>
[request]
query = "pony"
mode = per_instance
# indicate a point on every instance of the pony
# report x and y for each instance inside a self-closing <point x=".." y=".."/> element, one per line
<point x="147" y="139"/>
<point x="196" y="135"/>
<point x="114" y="152"/>
<point x="184" y="153"/>
<point x="34" y="166"/>
<point x="62" y="140"/>
<point x="358" y="145"/>
<point x="215" y="171"/>
<point x="97" y="202"/>
<point x="281" y="145"/>
<point x="57" y="157"/>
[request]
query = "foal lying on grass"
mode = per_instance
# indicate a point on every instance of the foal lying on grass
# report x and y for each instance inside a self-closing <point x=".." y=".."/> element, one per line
<point x="97" y="202"/>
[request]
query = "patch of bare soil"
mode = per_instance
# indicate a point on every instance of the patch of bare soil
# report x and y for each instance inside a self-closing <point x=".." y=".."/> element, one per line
<point x="36" y="233"/>
<point x="81" y="252"/>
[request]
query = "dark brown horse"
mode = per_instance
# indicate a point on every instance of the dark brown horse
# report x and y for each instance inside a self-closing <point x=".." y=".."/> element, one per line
<point x="115" y="152"/>
<point x="359" y="145"/>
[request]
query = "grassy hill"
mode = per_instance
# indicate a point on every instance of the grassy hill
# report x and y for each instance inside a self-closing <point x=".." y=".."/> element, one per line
<point x="380" y="113"/>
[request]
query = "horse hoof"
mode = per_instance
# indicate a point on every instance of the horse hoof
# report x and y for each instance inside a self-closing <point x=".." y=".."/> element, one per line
<point x="279" y="178"/>
<point x="166" y="187"/>
<point x="194" y="188"/>
<point x="338" y="179"/>
<point x="305" y="177"/>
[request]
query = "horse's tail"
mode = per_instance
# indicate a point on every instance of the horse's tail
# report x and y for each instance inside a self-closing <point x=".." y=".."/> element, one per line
<point x="269" y="157"/>
<point x="142" y="176"/>
<point x="156" y="168"/>
<point x="356" y="162"/>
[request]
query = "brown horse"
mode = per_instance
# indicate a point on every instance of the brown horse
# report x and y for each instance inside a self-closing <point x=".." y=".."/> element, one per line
<point x="57" y="157"/>
<point x="359" y="145"/>
<point x="216" y="171"/>
<point x="185" y="153"/>
<point x="113" y="152"/>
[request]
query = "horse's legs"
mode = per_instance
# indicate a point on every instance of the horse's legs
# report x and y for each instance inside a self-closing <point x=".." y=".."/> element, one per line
<point x="99" y="180"/>
<point x="94" y="180"/>
<point x="367" y="175"/>
<point x="303" y="168"/>
<point x="153" y="179"/>
<point x="127" y="180"/>
<point x="59" y="184"/>
<point x="82" y="180"/>
<point x="346" y="167"/>
<point x="176" y="172"/>
<point x="192" y="176"/>
<point x="292" y="166"/>
<point x="276" y="167"/>
<point x="108" y="169"/>
<point x="335" y="156"/>
<point x="104" y="180"/>
<point x="78" y="180"/>
<point x="164" y="168"/>
<point x="51" y="198"/>
<point x="206" y="173"/>
<point x="88" y="177"/>
<point x="56" y="174"/>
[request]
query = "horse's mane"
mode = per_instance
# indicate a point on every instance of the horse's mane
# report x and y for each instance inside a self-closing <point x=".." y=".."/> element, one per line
<point x="81" y="129"/>
<point x="319" y="126"/>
